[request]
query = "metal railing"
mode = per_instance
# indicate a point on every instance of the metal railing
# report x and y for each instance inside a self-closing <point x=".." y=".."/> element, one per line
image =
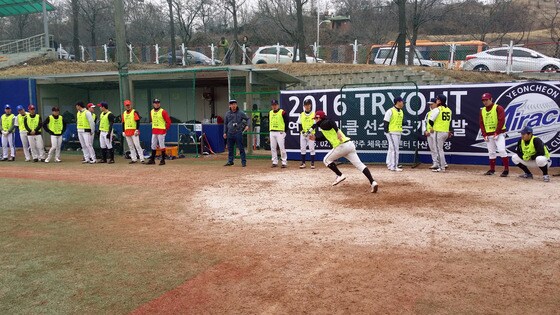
<point x="30" y="44"/>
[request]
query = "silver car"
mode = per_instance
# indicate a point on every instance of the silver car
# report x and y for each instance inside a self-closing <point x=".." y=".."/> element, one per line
<point x="268" y="54"/>
<point x="523" y="59"/>
<point x="388" y="56"/>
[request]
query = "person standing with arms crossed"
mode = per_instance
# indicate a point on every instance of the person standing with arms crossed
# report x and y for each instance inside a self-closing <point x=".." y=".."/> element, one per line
<point x="278" y="126"/>
<point x="440" y="122"/>
<point x="430" y="137"/>
<point x="342" y="147"/>
<point x="492" y="122"/>
<point x="23" y="132"/>
<point x="393" y="130"/>
<point x="106" y="121"/>
<point x="33" y="125"/>
<point x="235" y="124"/>
<point x="86" y="130"/>
<point x="160" y="124"/>
<point x="8" y="126"/>
<point x="131" y="127"/>
<point x="306" y="122"/>
<point x="55" y="126"/>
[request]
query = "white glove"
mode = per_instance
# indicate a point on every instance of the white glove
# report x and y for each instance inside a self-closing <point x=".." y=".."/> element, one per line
<point x="123" y="134"/>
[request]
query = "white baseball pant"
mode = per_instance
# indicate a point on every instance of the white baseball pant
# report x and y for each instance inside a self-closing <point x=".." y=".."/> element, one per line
<point x="135" y="148"/>
<point x="277" y="139"/>
<point x="8" y="140"/>
<point x="158" y="141"/>
<point x="346" y="150"/>
<point x="440" y="138"/>
<point x="56" y="144"/>
<point x="257" y="130"/>
<point x="305" y="142"/>
<point x="498" y="144"/>
<point x="394" y="140"/>
<point x="37" y="146"/>
<point x="25" y="145"/>
<point x="87" y="146"/>
<point x="540" y="161"/>
<point x="104" y="142"/>
<point x="433" y="149"/>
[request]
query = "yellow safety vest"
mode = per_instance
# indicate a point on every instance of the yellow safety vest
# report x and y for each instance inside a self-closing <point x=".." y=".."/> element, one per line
<point x="490" y="119"/>
<point x="82" y="122"/>
<point x="129" y="122"/>
<point x="529" y="149"/>
<point x="307" y="121"/>
<point x="427" y="119"/>
<point x="21" y="119"/>
<point x="443" y="119"/>
<point x="93" y="116"/>
<point x="256" y="118"/>
<point x="395" y="124"/>
<point x="157" y="119"/>
<point x="276" y="121"/>
<point x="33" y="122"/>
<point x="332" y="136"/>
<point x="104" y="122"/>
<point x="7" y="121"/>
<point x="55" y="124"/>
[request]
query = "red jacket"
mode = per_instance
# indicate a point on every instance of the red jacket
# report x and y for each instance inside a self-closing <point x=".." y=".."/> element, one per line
<point x="157" y="131"/>
<point x="501" y="120"/>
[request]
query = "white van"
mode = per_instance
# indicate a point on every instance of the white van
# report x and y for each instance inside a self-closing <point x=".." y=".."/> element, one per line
<point x="388" y="56"/>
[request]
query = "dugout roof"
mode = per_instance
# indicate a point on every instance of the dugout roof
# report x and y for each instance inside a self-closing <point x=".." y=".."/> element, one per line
<point x="20" y="7"/>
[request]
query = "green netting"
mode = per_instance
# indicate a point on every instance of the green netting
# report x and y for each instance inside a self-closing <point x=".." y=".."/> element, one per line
<point x="257" y="107"/>
<point x="363" y="108"/>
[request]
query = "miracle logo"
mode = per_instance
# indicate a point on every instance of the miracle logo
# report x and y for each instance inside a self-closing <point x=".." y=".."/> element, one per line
<point x="534" y="105"/>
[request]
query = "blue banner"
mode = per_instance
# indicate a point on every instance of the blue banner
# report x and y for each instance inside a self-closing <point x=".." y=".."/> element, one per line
<point x="535" y="104"/>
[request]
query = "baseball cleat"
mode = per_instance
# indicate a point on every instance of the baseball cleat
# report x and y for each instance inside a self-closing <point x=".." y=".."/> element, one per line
<point x="302" y="165"/>
<point x="526" y="175"/>
<point x="546" y="178"/>
<point x="312" y="166"/>
<point x="339" y="179"/>
<point x="504" y="174"/>
<point x="374" y="187"/>
<point x="396" y="169"/>
<point x="434" y="166"/>
<point x="47" y="160"/>
<point x="284" y="165"/>
<point x="57" y="161"/>
<point x="437" y="170"/>
<point x="490" y="172"/>
<point x="274" y="165"/>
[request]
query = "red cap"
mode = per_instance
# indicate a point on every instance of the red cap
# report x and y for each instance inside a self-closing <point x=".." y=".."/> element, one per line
<point x="486" y="96"/>
<point x="127" y="102"/>
<point x="321" y="114"/>
<point x="90" y="105"/>
<point x="30" y="107"/>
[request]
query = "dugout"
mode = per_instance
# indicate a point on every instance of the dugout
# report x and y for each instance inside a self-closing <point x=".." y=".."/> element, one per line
<point x="191" y="95"/>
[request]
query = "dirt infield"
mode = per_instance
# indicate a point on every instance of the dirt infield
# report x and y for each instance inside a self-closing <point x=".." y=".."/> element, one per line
<point x="286" y="241"/>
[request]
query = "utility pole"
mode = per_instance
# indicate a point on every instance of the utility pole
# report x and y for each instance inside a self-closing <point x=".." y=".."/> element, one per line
<point x="401" y="40"/>
<point x="122" y="59"/>
<point x="172" y="33"/>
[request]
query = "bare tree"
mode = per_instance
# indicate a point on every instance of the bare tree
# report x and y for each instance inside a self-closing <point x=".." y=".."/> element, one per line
<point x="188" y="12"/>
<point x="95" y="13"/>
<point x="422" y="12"/>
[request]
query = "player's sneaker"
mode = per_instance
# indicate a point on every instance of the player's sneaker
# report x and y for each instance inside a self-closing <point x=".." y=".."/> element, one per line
<point x="339" y="179"/>
<point x="302" y="165"/>
<point x="284" y="166"/>
<point x="526" y="175"/>
<point x="312" y="166"/>
<point x="434" y="166"/>
<point x="490" y="172"/>
<point x="438" y="170"/>
<point x="546" y="178"/>
<point x="274" y="165"/>
<point x="374" y="187"/>
<point x="57" y="161"/>
<point x="396" y="169"/>
<point x="47" y="160"/>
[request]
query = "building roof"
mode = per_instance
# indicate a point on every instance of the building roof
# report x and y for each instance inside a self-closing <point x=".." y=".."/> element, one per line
<point x="20" y="7"/>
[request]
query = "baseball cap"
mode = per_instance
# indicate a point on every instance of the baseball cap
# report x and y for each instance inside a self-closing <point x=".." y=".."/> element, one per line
<point x="321" y="114"/>
<point x="486" y="96"/>
<point x="232" y="101"/>
<point x="156" y="100"/>
<point x="103" y="104"/>
<point x="526" y="130"/>
<point x="55" y="109"/>
<point x="398" y="99"/>
<point x="442" y="98"/>
<point x="19" y="107"/>
<point x="90" y="105"/>
<point x="307" y="102"/>
<point x="30" y="107"/>
<point x="273" y="102"/>
<point x="80" y="103"/>
<point x="127" y="102"/>
<point x="432" y="101"/>
<point x="7" y="106"/>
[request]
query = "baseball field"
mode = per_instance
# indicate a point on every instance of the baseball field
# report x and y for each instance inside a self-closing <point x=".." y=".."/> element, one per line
<point x="195" y="237"/>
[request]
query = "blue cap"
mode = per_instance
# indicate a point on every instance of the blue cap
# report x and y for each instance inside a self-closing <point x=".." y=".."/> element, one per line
<point x="526" y="130"/>
<point x="7" y="106"/>
<point x="19" y="107"/>
<point x="398" y="99"/>
<point x="442" y="98"/>
<point x="432" y="101"/>
<point x="273" y="102"/>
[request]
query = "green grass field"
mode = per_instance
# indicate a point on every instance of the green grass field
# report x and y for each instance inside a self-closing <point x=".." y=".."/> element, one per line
<point x="67" y="248"/>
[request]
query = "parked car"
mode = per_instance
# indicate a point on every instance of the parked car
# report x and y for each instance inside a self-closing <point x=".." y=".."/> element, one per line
<point x="523" y="59"/>
<point x="193" y="58"/>
<point x="388" y="56"/>
<point x="267" y="54"/>
<point x="61" y="53"/>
